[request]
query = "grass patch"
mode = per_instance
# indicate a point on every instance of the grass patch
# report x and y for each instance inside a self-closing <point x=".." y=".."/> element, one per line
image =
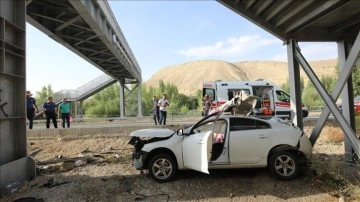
<point x="333" y="134"/>
<point x="357" y="122"/>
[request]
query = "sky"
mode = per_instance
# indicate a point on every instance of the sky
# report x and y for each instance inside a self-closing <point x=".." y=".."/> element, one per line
<point x="161" y="34"/>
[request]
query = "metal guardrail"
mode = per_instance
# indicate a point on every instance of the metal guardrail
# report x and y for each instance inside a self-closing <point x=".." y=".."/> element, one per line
<point x="316" y="108"/>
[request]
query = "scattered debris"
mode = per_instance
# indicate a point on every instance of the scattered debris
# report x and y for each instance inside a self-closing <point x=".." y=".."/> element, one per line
<point x="106" y="152"/>
<point x="324" y="156"/>
<point x="33" y="154"/>
<point x="98" y="156"/>
<point x="29" y="199"/>
<point x="68" y="165"/>
<point x="79" y="163"/>
<point x="51" y="183"/>
<point x="62" y="159"/>
<point x="111" y="148"/>
<point x="11" y="188"/>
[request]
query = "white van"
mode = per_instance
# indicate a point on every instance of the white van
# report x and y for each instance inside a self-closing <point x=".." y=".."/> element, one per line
<point x="273" y="101"/>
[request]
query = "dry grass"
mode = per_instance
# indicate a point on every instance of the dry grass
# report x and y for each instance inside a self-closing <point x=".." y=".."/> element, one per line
<point x="333" y="134"/>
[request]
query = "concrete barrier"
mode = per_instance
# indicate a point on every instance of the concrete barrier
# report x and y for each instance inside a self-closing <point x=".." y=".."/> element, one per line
<point x="88" y="131"/>
<point x="105" y="129"/>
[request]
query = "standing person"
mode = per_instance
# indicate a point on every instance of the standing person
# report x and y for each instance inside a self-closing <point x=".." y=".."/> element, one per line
<point x="50" y="112"/>
<point x="156" y="110"/>
<point x="31" y="108"/>
<point x="64" y="112"/>
<point x="207" y="105"/>
<point x="163" y="104"/>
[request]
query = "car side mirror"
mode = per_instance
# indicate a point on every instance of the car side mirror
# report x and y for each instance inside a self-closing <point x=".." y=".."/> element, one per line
<point x="180" y="132"/>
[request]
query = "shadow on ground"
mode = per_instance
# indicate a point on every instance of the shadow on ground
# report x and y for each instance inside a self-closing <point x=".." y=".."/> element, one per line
<point x="249" y="184"/>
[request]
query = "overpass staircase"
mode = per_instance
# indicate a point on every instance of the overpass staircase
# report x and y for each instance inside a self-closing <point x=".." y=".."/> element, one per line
<point x="80" y="94"/>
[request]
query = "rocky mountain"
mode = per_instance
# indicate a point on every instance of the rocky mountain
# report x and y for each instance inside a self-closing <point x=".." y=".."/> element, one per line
<point x="188" y="77"/>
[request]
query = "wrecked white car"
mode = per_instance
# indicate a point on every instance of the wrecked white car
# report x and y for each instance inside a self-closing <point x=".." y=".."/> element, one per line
<point x="221" y="141"/>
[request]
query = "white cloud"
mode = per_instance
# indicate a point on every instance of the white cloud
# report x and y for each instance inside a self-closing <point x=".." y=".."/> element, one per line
<point x="229" y="48"/>
<point x="318" y="51"/>
<point x="311" y="51"/>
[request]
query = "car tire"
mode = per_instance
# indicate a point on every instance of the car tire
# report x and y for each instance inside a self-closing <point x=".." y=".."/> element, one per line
<point x="305" y="113"/>
<point x="283" y="165"/>
<point x="162" y="168"/>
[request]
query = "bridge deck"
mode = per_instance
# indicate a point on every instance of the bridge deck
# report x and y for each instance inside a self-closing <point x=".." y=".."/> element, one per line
<point x="89" y="29"/>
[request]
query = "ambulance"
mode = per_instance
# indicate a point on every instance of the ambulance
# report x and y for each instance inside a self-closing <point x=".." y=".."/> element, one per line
<point x="272" y="100"/>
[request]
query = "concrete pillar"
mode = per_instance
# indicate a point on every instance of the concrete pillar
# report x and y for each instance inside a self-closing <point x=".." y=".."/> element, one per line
<point x="343" y="77"/>
<point x="121" y="93"/>
<point x="295" y="84"/>
<point x="75" y="108"/>
<point x="15" y="165"/>
<point x="347" y="98"/>
<point x="139" y="100"/>
<point x="81" y="110"/>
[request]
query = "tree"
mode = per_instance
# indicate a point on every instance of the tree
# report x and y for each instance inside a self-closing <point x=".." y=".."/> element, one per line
<point x="41" y="96"/>
<point x="177" y="100"/>
<point x="356" y="80"/>
<point x="104" y="103"/>
<point x="311" y="97"/>
<point x="184" y="109"/>
<point x="286" y="88"/>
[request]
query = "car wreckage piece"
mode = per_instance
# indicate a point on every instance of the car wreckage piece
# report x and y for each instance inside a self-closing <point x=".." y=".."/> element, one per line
<point x="241" y="104"/>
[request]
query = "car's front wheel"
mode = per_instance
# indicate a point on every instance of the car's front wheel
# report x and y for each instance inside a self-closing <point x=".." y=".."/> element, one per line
<point x="284" y="165"/>
<point x="162" y="168"/>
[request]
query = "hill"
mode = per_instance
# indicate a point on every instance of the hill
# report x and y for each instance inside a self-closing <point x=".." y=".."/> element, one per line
<point x="188" y="77"/>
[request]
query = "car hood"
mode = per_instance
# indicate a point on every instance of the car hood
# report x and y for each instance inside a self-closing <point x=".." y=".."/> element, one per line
<point x="152" y="132"/>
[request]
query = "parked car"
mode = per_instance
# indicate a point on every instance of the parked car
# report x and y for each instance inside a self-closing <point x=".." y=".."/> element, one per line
<point x="221" y="141"/>
<point x="356" y="105"/>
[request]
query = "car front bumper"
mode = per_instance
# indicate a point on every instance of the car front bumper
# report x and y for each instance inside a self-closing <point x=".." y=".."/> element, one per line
<point x="138" y="159"/>
<point x="305" y="146"/>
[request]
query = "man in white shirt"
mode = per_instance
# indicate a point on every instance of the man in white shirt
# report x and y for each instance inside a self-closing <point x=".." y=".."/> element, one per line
<point x="163" y="104"/>
<point x="207" y="105"/>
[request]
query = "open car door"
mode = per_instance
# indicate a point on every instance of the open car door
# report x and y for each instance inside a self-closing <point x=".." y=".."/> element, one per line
<point x="197" y="151"/>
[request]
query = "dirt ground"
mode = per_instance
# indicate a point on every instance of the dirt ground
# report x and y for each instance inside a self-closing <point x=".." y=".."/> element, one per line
<point x="108" y="175"/>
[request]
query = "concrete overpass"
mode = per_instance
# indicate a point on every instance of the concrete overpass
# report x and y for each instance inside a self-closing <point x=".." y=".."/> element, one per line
<point x="86" y="27"/>
<point x="89" y="29"/>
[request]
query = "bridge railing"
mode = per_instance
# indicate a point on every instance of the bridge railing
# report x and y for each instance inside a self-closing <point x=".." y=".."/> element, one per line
<point x="124" y="47"/>
<point x="94" y="84"/>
